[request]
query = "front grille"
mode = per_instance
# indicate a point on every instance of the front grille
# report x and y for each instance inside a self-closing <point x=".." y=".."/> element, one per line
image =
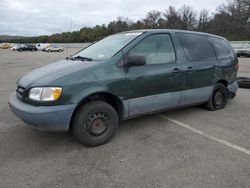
<point x="21" y="92"/>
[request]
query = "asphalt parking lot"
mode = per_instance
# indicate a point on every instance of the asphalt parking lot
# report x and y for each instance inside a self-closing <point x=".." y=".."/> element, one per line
<point x="191" y="147"/>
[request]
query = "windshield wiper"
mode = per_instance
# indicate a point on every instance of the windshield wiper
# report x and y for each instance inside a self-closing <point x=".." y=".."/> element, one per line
<point x="79" y="57"/>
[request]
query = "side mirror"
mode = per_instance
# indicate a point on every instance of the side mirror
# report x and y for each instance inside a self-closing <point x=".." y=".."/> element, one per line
<point x="136" y="60"/>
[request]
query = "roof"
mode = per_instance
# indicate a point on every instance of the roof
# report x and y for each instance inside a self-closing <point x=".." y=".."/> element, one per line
<point x="170" y="31"/>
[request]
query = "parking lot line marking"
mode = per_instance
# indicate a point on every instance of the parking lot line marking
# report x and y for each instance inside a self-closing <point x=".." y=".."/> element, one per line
<point x="224" y="142"/>
<point x="4" y="89"/>
<point x="37" y="62"/>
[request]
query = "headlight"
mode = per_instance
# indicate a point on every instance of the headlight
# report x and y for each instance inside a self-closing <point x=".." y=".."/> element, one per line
<point x="45" y="93"/>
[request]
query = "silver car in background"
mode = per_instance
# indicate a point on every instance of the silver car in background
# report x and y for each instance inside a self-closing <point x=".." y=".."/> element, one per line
<point x="244" y="51"/>
<point x="54" y="48"/>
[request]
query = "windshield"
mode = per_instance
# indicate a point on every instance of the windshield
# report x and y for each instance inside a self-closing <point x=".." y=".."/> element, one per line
<point x="107" y="47"/>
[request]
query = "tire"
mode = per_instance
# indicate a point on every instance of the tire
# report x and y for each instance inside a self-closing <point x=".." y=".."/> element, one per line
<point x="95" y="123"/>
<point x="218" y="99"/>
<point x="243" y="82"/>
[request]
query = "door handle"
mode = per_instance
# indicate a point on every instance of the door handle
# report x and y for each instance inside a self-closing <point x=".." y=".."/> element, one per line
<point x="189" y="69"/>
<point x="176" y="70"/>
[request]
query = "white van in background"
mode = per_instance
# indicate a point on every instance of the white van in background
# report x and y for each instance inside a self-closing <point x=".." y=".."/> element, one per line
<point x="42" y="46"/>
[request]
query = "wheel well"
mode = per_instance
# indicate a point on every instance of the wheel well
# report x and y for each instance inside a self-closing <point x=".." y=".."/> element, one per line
<point x="114" y="101"/>
<point x="223" y="82"/>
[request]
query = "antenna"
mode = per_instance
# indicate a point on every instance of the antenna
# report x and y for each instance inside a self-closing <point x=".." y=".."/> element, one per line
<point x="70" y="37"/>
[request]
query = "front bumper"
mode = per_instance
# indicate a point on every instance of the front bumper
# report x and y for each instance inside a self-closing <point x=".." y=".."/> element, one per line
<point x="51" y="118"/>
<point x="233" y="88"/>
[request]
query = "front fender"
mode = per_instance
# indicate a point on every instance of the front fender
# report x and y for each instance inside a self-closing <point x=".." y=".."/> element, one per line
<point x="88" y="91"/>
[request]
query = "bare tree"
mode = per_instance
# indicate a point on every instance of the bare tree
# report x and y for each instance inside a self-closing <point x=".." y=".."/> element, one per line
<point x="243" y="7"/>
<point x="152" y="19"/>
<point x="230" y="20"/>
<point x="188" y="17"/>
<point x="173" y="20"/>
<point x="204" y="19"/>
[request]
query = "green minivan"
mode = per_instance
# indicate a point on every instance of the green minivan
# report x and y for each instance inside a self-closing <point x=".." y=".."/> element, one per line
<point x="126" y="75"/>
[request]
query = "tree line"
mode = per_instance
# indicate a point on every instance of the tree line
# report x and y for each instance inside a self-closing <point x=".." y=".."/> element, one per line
<point x="231" y="20"/>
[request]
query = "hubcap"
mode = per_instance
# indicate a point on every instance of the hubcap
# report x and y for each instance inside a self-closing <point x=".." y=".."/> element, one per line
<point x="218" y="98"/>
<point x="97" y="124"/>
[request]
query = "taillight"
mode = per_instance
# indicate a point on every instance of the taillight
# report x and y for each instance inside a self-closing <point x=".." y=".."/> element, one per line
<point x="237" y="66"/>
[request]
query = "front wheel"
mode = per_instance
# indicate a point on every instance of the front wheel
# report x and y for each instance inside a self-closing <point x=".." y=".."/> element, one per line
<point x="95" y="123"/>
<point x="218" y="99"/>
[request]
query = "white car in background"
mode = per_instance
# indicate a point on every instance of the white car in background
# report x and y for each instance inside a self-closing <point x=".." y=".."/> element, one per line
<point x="54" y="48"/>
<point x="16" y="46"/>
<point x="42" y="46"/>
<point x="244" y="51"/>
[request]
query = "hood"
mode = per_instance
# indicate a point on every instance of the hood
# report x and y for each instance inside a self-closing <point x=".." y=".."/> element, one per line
<point x="48" y="74"/>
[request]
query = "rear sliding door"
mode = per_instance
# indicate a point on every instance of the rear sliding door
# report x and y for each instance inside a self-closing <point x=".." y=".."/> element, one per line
<point x="200" y="72"/>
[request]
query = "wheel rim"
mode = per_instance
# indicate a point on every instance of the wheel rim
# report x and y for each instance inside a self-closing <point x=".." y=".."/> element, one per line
<point x="97" y="124"/>
<point x="219" y="99"/>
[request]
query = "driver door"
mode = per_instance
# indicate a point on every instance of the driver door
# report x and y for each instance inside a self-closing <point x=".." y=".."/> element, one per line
<point x="158" y="84"/>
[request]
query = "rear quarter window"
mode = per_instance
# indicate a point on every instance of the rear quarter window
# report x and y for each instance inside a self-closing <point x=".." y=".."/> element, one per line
<point x="221" y="47"/>
<point x="196" y="47"/>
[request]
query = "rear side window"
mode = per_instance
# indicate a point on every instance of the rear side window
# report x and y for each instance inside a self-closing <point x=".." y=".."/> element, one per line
<point x="156" y="48"/>
<point x="196" y="47"/>
<point x="221" y="47"/>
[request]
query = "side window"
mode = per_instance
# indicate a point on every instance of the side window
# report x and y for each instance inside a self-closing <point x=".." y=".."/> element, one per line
<point x="157" y="49"/>
<point x="221" y="47"/>
<point x="196" y="47"/>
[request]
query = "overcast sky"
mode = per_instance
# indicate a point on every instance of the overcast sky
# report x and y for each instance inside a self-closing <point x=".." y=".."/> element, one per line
<point x="44" y="17"/>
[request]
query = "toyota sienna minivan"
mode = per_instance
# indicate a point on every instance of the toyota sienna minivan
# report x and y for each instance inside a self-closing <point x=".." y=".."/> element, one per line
<point x="126" y="75"/>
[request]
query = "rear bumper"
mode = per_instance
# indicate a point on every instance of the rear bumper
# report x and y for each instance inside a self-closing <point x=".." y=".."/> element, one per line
<point x="245" y="53"/>
<point x="233" y="88"/>
<point x="50" y="118"/>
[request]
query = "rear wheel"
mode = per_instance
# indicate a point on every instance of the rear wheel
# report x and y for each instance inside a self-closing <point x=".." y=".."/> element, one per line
<point x="218" y="99"/>
<point x="95" y="123"/>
